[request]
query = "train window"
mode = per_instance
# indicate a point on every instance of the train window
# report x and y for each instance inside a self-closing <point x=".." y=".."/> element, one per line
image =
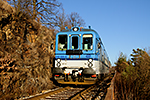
<point x="75" y="42"/>
<point x="62" y="42"/>
<point x="97" y="46"/>
<point x="87" y="42"/>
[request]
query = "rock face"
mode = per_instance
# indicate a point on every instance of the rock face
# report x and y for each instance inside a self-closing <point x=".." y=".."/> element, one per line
<point x="25" y="55"/>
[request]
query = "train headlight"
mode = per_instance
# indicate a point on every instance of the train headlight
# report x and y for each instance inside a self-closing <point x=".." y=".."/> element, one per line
<point x="58" y="60"/>
<point x="90" y="64"/>
<point x="75" y="29"/>
<point x="58" y="64"/>
<point x="90" y="60"/>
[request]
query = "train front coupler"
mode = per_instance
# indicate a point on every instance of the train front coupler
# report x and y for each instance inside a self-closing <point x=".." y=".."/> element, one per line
<point x="66" y="77"/>
<point x="74" y="75"/>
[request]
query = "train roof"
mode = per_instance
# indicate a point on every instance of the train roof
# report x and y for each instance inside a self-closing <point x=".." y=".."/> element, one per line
<point x="80" y="29"/>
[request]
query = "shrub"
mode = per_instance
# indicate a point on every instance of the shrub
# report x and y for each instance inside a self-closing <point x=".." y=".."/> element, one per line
<point x="132" y="82"/>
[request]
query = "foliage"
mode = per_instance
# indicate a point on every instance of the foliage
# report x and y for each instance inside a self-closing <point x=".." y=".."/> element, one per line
<point x="49" y="12"/>
<point x="44" y="11"/>
<point x="121" y="63"/>
<point x="132" y="81"/>
<point x="25" y="55"/>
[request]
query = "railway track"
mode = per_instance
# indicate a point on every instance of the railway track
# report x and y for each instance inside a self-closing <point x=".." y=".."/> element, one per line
<point x="56" y="94"/>
<point x="94" y="92"/>
<point x="97" y="91"/>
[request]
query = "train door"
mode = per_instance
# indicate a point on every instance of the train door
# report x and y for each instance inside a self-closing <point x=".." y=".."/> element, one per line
<point x="74" y="42"/>
<point x="75" y="46"/>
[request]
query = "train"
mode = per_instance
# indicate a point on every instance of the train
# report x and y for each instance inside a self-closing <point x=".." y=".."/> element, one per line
<point x="80" y="57"/>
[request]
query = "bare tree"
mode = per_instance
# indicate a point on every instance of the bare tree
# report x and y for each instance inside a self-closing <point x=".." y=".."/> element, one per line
<point x="61" y="20"/>
<point x="70" y="20"/>
<point x="44" y="11"/>
<point x="75" y="20"/>
<point x="48" y="12"/>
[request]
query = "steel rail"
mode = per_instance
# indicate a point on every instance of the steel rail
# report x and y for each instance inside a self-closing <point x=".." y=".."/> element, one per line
<point x="38" y="97"/>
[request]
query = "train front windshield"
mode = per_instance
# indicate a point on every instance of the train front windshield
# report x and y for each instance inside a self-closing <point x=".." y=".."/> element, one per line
<point x="87" y="42"/>
<point x="75" y="42"/>
<point x="62" y="42"/>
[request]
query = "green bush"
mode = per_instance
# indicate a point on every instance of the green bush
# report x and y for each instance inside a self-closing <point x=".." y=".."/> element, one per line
<point x="133" y="76"/>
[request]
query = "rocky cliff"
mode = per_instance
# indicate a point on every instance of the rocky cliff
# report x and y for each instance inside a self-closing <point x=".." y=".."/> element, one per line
<point x="25" y="55"/>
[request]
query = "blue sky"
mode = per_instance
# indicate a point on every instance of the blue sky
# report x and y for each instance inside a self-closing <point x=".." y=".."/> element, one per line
<point x="123" y="25"/>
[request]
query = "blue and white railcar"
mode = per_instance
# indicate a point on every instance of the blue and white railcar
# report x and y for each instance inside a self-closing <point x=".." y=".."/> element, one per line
<point x="80" y="56"/>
